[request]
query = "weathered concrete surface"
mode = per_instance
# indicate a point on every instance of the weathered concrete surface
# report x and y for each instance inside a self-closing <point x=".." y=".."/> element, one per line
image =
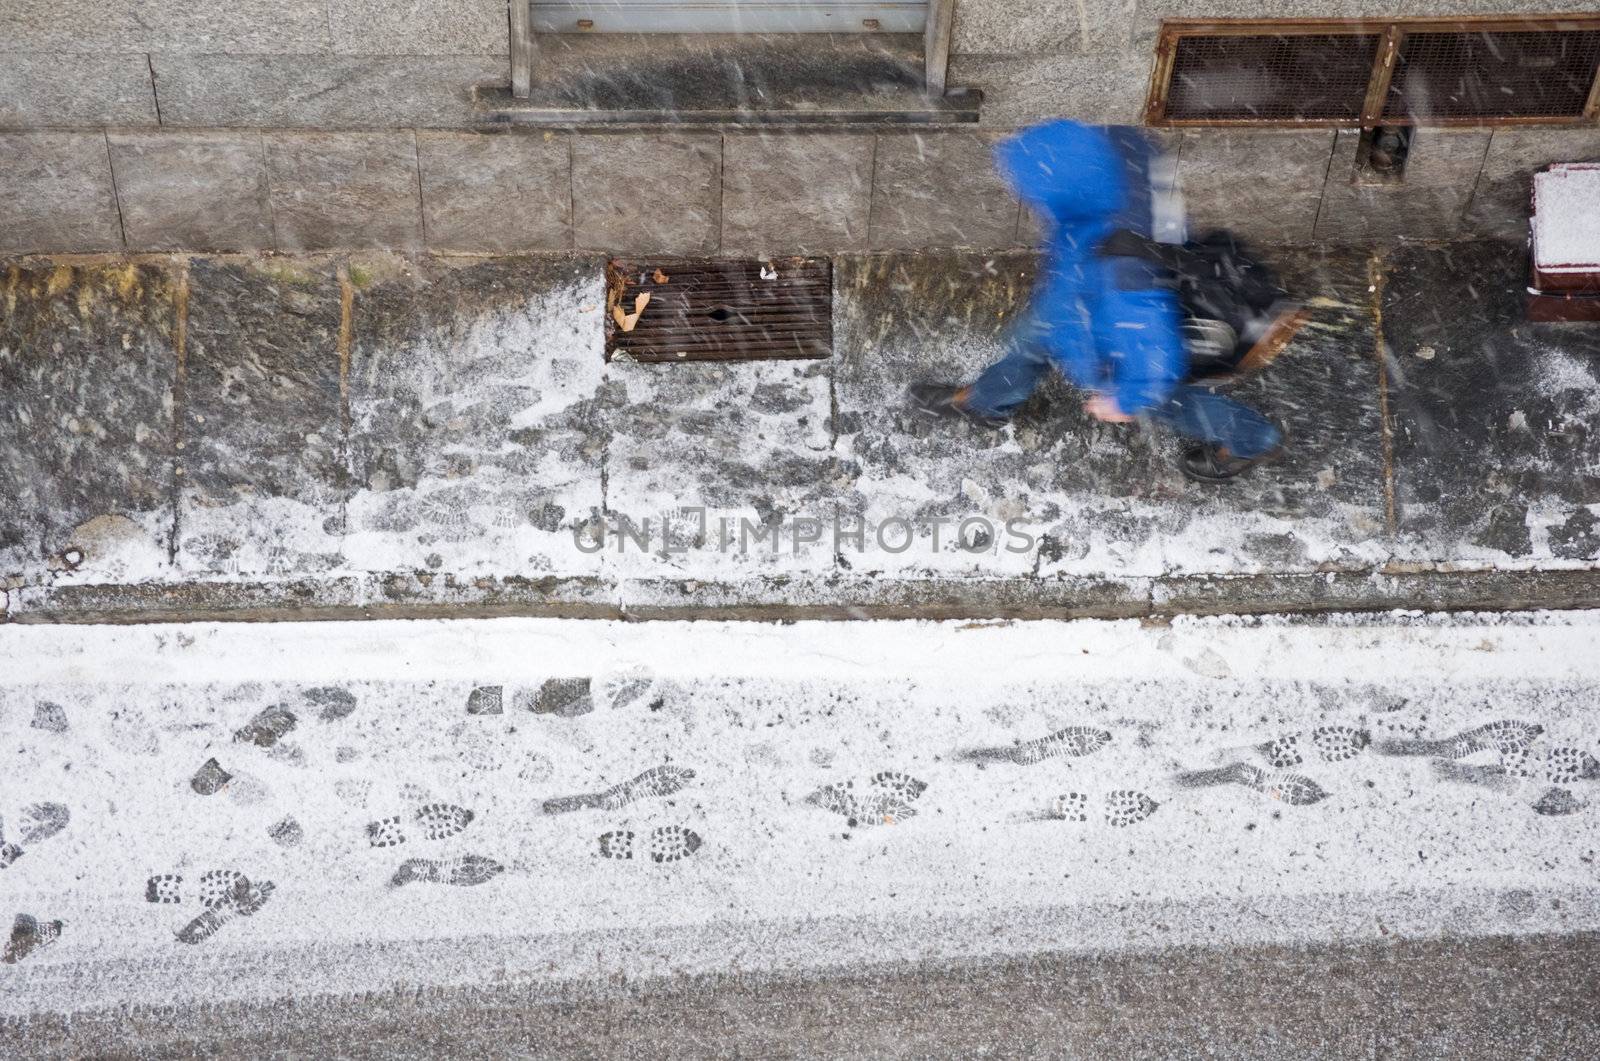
<point x="1277" y="202"/>
<point x="1502" y="199"/>
<point x="285" y="92"/>
<point x="940" y="192"/>
<point x="824" y="184"/>
<point x="66" y="89"/>
<point x="435" y="434"/>
<point x="1495" y="447"/>
<point x="345" y="190"/>
<point x="655" y="194"/>
<point x="779" y="193"/>
<point x="195" y="191"/>
<point x="1375" y="892"/>
<point x="496" y="194"/>
<point x="59" y="195"/>
<point x="87" y="370"/>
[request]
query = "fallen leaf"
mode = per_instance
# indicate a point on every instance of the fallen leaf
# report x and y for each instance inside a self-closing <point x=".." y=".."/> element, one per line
<point x="627" y="321"/>
<point x="660" y="277"/>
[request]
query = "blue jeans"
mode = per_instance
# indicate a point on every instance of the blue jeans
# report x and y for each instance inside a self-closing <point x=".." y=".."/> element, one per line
<point x="1191" y="411"/>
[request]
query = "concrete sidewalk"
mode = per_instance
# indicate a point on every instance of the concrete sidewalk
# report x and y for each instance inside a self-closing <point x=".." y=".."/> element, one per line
<point x="277" y="437"/>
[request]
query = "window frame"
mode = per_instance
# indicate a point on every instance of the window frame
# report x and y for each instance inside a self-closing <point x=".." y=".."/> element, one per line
<point x="1391" y="33"/>
<point x="935" y="39"/>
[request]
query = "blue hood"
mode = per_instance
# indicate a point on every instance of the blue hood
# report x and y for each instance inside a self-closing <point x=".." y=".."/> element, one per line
<point x="1068" y="171"/>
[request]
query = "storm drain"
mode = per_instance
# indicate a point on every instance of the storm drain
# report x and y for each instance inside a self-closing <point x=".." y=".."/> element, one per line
<point x="686" y="309"/>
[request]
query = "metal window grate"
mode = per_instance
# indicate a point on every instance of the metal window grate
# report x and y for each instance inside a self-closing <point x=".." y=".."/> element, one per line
<point x="1537" y="74"/>
<point x="719" y="309"/>
<point x="1348" y="72"/>
<point x="1271" y="78"/>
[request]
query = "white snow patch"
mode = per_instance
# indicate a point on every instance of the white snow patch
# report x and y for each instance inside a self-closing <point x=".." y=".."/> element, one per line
<point x="765" y="714"/>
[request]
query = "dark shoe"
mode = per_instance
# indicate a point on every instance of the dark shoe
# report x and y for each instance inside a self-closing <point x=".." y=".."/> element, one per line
<point x="942" y="401"/>
<point x="1210" y="463"/>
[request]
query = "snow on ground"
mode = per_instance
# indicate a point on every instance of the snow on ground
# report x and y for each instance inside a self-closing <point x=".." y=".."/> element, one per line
<point x="956" y="836"/>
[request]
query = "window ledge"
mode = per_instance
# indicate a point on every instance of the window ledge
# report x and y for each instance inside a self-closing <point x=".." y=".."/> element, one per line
<point x="667" y="79"/>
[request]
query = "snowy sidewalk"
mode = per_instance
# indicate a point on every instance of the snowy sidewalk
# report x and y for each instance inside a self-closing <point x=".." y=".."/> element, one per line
<point x="203" y="813"/>
<point x="278" y="437"/>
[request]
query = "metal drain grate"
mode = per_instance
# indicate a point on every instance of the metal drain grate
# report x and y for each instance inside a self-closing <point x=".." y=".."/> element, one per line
<point x="1540" y="74"/>
<point x="1277" y="78"/>
<point x="719" y="310"/>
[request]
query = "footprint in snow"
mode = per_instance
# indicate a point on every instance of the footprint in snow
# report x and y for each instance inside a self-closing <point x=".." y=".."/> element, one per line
<point x="1330" y="744"/>
<point x="885" y="799"/>
<point x="431" y="821"/>
<point x="463" y="872"/>
<point x="29" y="934"/>
<point x="1508" y="737"/>
<point x="226" y="895"/>
<point x="214" y="887"/>
<point x="1294" y="789"/>
<point x="39" y="822"/>
<point x="654" y="782"/>
<point x="1069" y="743"/>
<point x="1122" y="807"/>
<point x="668" y="843"/>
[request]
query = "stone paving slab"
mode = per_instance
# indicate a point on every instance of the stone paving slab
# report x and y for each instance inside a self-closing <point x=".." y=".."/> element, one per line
<point x="1496" y="454"/>
<point x="472" y="390"/>
<point x="264" y="481"/>
<point x="87" y="370"/>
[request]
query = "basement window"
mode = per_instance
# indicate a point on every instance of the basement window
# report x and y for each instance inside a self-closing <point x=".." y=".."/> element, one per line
<point x="583" y="62"/>
<point x="1344" y="72"/>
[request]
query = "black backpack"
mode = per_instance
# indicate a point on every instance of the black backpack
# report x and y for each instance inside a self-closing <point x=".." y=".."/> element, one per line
<point x="1226" y="293"/>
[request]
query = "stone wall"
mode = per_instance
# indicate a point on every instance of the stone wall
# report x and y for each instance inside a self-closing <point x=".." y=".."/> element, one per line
<point x="153" y="125"/>
<point x="158" y="190"/>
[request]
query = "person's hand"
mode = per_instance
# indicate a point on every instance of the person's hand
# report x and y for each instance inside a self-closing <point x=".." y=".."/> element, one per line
<point x="1103" y="407"/>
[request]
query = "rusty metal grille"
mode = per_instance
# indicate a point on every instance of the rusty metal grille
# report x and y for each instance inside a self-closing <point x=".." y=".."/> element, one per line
<point x="1535" y="74"/>
<point x="1475" y="70"/>
<point x="1267" y="78"/>
<point x="719" y="310"/>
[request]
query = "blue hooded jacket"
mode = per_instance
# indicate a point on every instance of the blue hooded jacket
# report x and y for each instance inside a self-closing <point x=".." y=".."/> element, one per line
<point x="1108" y="322"/>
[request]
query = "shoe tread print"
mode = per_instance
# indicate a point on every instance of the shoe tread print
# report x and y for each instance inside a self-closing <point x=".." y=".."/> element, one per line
<point x="1072" y="742"/>
<point x="1506" y="736"/>
<point x="244" y="899"/>
<point x="1294" y="789"/>
<point x="672" y="843"/>
<point x="222" y="887"/>
<point x="886" y="799"/>
<point x="1125" y="807"/>
<point x="463" y="872"/>
<point x="40" y="821"/>
<point x="655" y="782"/>
<point x="29" y="934"/>
<point x="163" y="888"/>
<point x="435" y="821"/>
<point x="1331" y="744"/>
<point x="666" y="843"/>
